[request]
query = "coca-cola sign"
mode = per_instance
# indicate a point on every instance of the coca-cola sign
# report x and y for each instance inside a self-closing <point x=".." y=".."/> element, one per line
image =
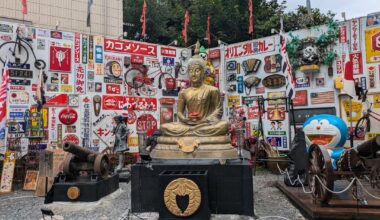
<point x="68" y="116"/>
<point x="71" y="138"/>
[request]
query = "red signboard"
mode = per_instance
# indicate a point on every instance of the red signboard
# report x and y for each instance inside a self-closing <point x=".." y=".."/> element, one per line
<point x="167" y="101"/>
<point x="146" y="123"/>
<point x="168" y="52"/>
<point x="68" y="116"/>
<point x="57" y="100"/>
<point x="270" y="112"/>
<point x="132" y="47"/>
<point x="79" y="79"/>
<point x="71" y="138"/>
<point x="342" y="34"/>
<point x="253" y="112"/>
<point x="357" y="63"/>
<point x="213" y="54"/>
<point x="132" y="117"/>
<point x="300" y="98"/>
<point x="112" y="89"/>
<point x="141" y="103"/>
<point x="113" y="102"/>
<point x="137" y="59"/>
<point x="60" y="59"/>
<point x="77" y="48"/>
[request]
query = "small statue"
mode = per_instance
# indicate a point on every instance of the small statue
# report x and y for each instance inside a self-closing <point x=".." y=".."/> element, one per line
<point x="121" y="132"/>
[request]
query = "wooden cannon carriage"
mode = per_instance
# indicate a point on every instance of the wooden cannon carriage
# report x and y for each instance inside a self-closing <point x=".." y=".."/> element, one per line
<point x="358" y="162"/>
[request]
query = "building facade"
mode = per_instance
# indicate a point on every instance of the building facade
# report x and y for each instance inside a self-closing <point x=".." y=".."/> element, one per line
<point x="68" y="15"/>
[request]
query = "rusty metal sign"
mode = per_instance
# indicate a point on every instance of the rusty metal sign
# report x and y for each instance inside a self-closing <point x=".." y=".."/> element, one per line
<point x="274" y="81"/>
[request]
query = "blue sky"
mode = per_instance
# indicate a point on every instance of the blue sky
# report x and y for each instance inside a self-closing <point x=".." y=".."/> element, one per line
<point x="353" y="8"/>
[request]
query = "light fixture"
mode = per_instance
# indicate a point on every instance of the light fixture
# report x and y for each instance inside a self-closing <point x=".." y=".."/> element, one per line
<point x="175" y="42"/>
<point x="221" y="43"/>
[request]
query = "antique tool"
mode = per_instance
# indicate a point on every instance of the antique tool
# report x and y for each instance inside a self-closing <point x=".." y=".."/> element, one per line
<point x="83" y="159"/>
<point x="97" y="100"/>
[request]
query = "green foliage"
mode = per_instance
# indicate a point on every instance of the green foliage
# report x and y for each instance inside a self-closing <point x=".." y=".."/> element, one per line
<point x="229" y="19"/>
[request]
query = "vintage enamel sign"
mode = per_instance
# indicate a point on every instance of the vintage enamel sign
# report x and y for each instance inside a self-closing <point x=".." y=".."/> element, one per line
<point x="68" y="116"/>
<point x="274" y="81"/>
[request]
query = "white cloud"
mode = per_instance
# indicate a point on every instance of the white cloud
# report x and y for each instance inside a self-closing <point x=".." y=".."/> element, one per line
<point x="352" y="8"/>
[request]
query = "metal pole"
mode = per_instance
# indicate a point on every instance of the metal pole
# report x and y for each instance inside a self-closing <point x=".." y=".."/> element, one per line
<point x="352" y="132"/>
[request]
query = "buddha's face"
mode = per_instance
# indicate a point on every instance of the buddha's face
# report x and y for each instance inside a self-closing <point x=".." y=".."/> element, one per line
<point x="196" y="74"/>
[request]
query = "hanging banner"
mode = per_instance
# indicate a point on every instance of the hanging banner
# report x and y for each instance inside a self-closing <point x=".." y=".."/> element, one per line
<point x="77" y="47"/>
<point x="355" y="35"/>
<point x="90" y="65"/>
<point x="80" y="82"/>
<point x="343" y="34"/>
<point x="84" y="48"/>
<point x="372" y="42"/>
<point x="357" y="63"/>
<point x="249" y="48"/>
<point x="130" y="47"/>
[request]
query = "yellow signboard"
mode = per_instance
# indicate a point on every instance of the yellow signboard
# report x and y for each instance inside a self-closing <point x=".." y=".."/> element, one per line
<point x="66" y="88"/>
<point x="133" y="141"/>
<point x="233" y="100"/>
<point x="376" y="101"/>
<point x="356" y="110"/>
<point x="373" y="134"/>
<point x="372" y="45"/>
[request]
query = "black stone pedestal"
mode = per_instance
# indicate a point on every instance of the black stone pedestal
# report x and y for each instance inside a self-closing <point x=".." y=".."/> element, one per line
<point x="89" y="191"/>
<point x="228" y="188"/>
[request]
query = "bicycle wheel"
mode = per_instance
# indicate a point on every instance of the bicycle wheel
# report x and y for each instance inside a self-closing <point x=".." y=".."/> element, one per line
<point x="362" y="126"/>
<point x="168" y="81"/>
<point x="20" y="56"/>
<point x="134" y="78"/>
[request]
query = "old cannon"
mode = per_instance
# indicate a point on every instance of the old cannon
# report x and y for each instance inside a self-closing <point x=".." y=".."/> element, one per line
<point x="82" y="159"/>
<point x="360" y="161"/>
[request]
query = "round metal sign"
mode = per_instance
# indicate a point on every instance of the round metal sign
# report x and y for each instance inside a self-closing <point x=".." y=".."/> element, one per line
<point x="68" y="116"/>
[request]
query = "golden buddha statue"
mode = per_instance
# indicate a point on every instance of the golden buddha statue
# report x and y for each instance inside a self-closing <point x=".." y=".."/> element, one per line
<point x="200" y="132"/>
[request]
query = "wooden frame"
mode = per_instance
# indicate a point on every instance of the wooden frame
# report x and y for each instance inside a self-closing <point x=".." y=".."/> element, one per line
<point x="31" y="179"/>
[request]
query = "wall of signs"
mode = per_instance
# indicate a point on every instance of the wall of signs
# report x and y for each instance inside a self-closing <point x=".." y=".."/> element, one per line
<point x="85" y="87"/>
<point x="254" y="68"/>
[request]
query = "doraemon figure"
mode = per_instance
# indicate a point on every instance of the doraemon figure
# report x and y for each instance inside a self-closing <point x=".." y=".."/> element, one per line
<point x="327" y="131"/>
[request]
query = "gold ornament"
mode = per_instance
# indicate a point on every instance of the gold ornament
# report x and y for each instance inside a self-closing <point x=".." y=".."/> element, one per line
<point x="182" y="187"/>
<point x="73" y="193"/>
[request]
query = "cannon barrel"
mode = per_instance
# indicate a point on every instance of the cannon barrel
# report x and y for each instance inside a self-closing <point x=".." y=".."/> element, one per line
<point x="77" y="150"/>
<point x="369" y="147"/>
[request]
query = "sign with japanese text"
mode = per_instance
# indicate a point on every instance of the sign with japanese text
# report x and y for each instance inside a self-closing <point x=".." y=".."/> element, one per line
<point x="355" y="35"/>
<point x="77" y="47"/>
<point x="168" y="52"/>
<point x="343" y="34"/>
<point x="372" y="42"/>
<point x="129" y="103"/>
<point x="131" y="47"/>
<point x="53" y="133"/>
<point x="250" y="48"/>
<point x="214" y="54"/>
<point x="357" y="63"/>
<point x="84" y="48"/>
<point x="372" y="77"/>
<point x="19" y="97"/>
<point x="112" y="89"/>
<point x="80" y="78"/>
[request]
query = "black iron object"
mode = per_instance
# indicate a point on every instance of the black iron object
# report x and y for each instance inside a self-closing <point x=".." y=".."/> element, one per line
<point x="355" y="162"/>
<point x="83" y="159"/>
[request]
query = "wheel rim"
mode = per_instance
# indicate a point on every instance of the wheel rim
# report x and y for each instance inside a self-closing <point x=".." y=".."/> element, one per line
<point x="320" y="172"/>
<point x="132" y="78"/>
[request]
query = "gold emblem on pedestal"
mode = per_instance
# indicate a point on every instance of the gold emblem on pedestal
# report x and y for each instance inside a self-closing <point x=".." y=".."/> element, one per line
<point x="188" y="145"/>
<point x="73" y="192"/>
<point x="182" y="187"/>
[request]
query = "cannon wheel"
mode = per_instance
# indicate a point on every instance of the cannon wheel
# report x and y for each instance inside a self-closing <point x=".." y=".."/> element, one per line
<point x="319" y="164"/>
<point x="112" y="157"/>
<point x="101" y="165"/>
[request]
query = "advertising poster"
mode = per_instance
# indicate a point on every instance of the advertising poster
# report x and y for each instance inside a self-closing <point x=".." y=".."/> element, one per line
<point x="372" y="42"/>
